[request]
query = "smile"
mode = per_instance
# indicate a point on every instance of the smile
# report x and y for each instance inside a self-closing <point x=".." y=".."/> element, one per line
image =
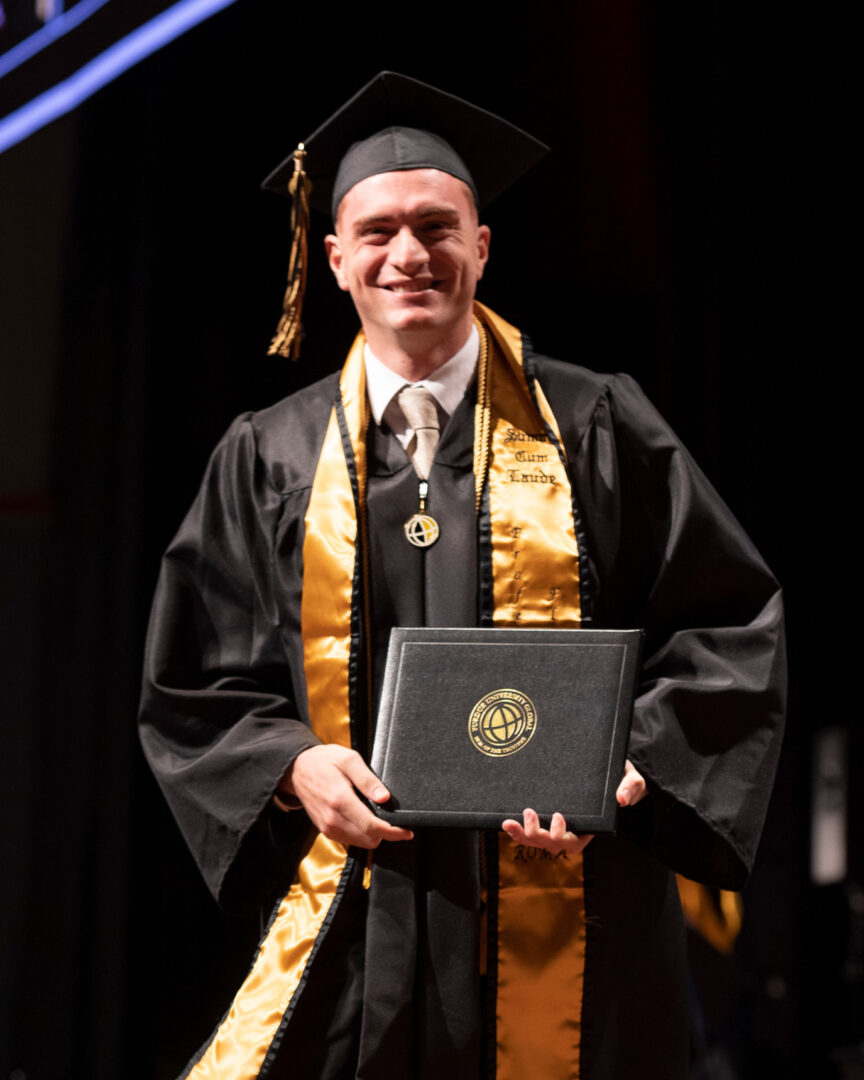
<point x="412" y="286"/>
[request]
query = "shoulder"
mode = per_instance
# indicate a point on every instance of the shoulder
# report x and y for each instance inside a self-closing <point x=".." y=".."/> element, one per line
<point x="584" y="397"/>
<point x="284" y="440"/>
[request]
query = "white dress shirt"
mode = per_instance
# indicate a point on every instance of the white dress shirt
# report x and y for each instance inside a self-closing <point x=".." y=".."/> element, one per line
<point x="448" y="385"/>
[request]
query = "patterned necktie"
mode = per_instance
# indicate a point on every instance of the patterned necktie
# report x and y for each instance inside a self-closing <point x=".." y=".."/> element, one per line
<point x="419" y="408"/>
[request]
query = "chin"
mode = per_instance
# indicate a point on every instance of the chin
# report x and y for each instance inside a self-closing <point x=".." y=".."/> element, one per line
<point x="418" y="321"/>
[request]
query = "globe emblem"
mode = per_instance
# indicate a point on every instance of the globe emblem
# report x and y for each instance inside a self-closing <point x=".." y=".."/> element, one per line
<point x="502" y="722"/>
<point x="422" y="530"/>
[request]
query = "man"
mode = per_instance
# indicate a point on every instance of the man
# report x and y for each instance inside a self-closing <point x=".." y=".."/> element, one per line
<point x="392" y="955"/>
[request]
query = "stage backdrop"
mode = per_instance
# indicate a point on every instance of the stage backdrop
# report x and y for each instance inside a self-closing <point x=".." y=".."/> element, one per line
<point x="686" y="229"/>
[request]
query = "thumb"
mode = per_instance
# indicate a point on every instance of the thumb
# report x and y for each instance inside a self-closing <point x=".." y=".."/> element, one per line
<point x="366" y="782"/>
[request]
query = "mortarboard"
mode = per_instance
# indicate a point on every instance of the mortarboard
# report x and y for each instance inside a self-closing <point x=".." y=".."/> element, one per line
<point x="392" y="123"/>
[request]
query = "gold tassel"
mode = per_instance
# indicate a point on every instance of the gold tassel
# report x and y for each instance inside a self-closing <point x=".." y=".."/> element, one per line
<point x="286" y="341"/>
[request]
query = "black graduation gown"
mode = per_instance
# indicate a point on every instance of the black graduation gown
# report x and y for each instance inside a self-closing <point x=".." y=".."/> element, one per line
<point x="224" y="712"/>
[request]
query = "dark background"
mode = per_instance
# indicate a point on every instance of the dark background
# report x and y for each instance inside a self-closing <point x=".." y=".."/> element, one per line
<point x="689" y="228"/>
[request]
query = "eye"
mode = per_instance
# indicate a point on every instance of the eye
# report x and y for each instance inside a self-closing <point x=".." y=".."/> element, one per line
<point x="434" y="230"/>
<point x="376" y="233"/>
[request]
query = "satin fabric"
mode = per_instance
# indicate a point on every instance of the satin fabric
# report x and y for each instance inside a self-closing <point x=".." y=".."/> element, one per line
<point x="241" y="1043"/>
<point x="535" y="556"/>
<point x="539" y="926"/>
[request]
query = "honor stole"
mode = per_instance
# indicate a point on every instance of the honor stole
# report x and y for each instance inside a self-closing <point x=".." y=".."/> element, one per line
<point x="538" y="939"/>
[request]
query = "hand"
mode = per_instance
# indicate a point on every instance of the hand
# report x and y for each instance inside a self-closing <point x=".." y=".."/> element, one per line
<point x="632" y="787"/>
<point x="324" y="779"/>
<point x="555" y="839"/>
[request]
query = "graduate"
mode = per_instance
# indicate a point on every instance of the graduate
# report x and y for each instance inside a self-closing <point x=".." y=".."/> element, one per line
<point x="448" y="476"/>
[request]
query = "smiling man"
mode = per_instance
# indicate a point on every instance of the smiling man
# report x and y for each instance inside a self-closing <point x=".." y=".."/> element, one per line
<point x="385" y="496"/>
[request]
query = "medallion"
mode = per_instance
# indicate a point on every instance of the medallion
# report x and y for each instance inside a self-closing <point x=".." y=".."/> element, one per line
<point x="422" y="530"/>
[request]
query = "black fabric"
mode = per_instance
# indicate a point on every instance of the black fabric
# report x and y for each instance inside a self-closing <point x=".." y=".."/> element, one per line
<point x="422" y="1014"/>
<point x="396" y="122"/>
<point x="218" y="697"/>
<point x="392" y="150"/>
<point x="224" y="699"/>
<point x="669" y="556"/>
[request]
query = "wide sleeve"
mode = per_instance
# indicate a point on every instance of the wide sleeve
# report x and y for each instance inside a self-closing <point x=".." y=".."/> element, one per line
<point x="709" y="714"/>
<point x="218" y="721"/>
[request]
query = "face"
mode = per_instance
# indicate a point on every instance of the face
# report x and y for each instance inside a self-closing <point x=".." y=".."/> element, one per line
<point x="410" y="251"/>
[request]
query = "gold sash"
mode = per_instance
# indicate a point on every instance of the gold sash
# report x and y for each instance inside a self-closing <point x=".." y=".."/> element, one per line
<point x="540" y="931"/>
<point x="535" y="570"/>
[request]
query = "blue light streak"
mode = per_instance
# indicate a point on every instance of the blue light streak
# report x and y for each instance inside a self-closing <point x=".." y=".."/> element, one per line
<point x="137" y="46"/>
<point x="58" y="26"/>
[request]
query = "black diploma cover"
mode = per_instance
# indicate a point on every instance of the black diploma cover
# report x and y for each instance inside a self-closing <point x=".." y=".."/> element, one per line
<point x="476" y="725"/>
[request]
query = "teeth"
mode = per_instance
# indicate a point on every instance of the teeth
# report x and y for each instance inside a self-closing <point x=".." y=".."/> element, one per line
<point x="409" y="287"/>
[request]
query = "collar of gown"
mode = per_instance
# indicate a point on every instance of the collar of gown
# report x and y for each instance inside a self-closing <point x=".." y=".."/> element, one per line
<point x="448" y="385"/>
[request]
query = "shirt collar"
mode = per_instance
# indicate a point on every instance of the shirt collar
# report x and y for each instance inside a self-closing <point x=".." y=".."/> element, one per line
<point x="448" y="383"/>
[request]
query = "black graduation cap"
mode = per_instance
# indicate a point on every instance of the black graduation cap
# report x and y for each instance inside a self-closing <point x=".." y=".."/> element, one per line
<point x="395" y="122"/>
<point x="392" y="123"/>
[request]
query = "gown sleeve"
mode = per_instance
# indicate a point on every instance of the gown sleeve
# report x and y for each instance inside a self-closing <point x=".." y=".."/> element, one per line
<point x="709" y="714"/>
<point x="219" y="724"/>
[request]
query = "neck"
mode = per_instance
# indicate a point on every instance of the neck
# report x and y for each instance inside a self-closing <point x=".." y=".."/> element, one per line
<point x="414" y="356"/>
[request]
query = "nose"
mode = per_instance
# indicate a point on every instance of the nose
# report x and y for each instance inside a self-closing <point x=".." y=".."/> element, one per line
<point x="407" y="253"/>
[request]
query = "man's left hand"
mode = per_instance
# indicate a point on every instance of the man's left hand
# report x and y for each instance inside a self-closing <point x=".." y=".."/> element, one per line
<point x="556" y="838"/>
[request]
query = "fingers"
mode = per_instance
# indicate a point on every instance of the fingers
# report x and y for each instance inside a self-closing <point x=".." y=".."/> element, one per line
<point x="555" y="839"/>
<point x="326" y="780"/>
<point x="366" y="782"/>
<point x="632" y="787"/>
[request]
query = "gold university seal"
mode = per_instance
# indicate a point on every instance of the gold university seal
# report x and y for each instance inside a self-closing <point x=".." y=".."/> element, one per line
<point x="502" y="722"/>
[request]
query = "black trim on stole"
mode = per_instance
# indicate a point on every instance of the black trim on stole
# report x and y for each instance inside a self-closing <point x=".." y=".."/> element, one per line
<point x="276" y="1041"/>
<point x="485" y="583"/>
<point x="357" y="672"/>
<point x="357" y="727"/>
<point x="586" y="590"/>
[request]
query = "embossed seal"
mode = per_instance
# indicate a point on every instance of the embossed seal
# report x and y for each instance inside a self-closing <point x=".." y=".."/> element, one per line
<point x="501" y="723"/>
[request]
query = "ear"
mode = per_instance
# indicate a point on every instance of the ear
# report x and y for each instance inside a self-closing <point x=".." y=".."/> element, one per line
<point x="484" y="237"/>
<point x="333" y="247"/>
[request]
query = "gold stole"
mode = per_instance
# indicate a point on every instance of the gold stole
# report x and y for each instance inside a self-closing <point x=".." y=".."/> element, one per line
<point x="540" y="931"/>
<point x="535" y="572"/>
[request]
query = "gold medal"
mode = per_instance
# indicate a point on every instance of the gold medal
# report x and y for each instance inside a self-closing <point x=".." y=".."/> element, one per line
<point x="421" y="529"/>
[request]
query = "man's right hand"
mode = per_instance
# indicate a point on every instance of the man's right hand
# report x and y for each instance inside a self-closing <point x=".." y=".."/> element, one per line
<point x="324" y="779"/>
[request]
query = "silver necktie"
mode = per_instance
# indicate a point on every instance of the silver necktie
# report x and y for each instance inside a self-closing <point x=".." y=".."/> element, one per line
<point x="420" y="410"/>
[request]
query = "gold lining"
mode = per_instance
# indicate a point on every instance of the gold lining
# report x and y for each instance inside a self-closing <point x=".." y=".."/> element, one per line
<point x="541" y="900"/>
<point x="541" y="963"/>
<point x="719" y="923"/>
<point x="240" y="1044"/>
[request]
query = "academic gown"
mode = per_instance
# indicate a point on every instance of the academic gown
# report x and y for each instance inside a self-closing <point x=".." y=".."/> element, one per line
<point x="394" y="988"/>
